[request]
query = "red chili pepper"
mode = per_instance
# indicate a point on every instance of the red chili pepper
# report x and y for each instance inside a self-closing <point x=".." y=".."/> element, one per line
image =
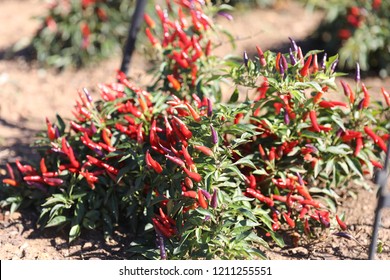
<point x="54" y="182"/>
<point x="277" y="60"/>
<point x="33" y="178"/>
<point x="182" y="18"/>
<point x="313" y="118"/>
<point x="305" y="69"/>
<point x="272" y="154"/>
<point x="289" y="221"/>
<point x="386" y="95"/>
<point x="151" y="163"/>
<point x="194" y="114"/>
<point x="377" y="140"/>
<point x="251" y="181"/>
<point x="174" y="82"/>
<point x="51" y="133"/>
<point x="317" y="97"/>
<point x="303" y="212"/>
<point x="195" y="21"/>
<point x="331" y="104"/>
<point x="342" y="225"/>
<point x="262" y="90"/>
<point x="188" y="183"/>
<point x="50" y="174"/>
<point x="376" y="164"/>
<point x="193" y="175"/>
<point x="260" y="53"/>
<point x="161" y="228"/>
<point x="359" y="146"/>
<point x="205" y="150"/>
<point x="201" y="200"/>
<point x="182" y="127"/>
<point x="366" y="101"/>
<point x="42" y="165"/>
<point x="191" y="194"/>
<point x="260" y="197"/>
<point x="10" y="182"/>
<point x="151" y="38"/>
<point x="315" y="64"/>
<point x="188" y="158"/>
<point x="149" y="21"/>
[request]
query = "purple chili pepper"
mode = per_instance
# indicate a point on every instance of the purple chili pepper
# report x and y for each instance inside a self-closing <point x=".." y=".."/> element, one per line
<point x="93" y="128"/>
<point x="281" y="68"/>
<point x="226" y="15"/>
<point x="292" y="58"/>
<point x="286" y="118"/>
<point x="207" y="218"/>
<point x="206" y="194"/>
<point x="284" y="62"/>
<point x="214" y="199"/>
<point x="360" y="106"/>
<point x="323" y="221"/>
<point x="357" y="74"/>
<point x="343" y="234"/>
<point x="38" y="186"/>
<point x="246" y="59"/>
<point x="209" y="107"/>
<point x="294" y="46"/>
<point x="214" y="135"/>
<point x="89" y="97"/>
<point x="300" y="180"/>
<point x="323" y="64"/>
<point x="312" y="147"/>
<point x="98" y="152"/>
<point x="339" y="132"/>
<point x="334" y="65"/>
<point x="275" y="210"/>
<point x="161" y="245"/>
<point x="57" y="131"/>
<point x="168" y="151"/>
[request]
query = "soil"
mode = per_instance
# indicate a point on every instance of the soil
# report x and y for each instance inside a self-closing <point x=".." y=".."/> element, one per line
<point x="29" y="94"/>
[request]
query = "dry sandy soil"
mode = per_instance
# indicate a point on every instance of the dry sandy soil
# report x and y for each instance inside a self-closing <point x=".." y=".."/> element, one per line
<point x="29" y="94"/>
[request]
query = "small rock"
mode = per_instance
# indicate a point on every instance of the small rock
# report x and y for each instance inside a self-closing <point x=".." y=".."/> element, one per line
<point x="299" y="251"/>
<point x="24" y="246"/>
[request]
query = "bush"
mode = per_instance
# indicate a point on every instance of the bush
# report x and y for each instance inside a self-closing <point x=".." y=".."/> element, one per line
<point x="359" y="31"/>
<point x="75" y="33"/>
<point x="200" y="178"/>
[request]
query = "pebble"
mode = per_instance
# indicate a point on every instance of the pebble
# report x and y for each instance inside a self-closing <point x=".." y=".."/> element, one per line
<point x="300" y="251"/>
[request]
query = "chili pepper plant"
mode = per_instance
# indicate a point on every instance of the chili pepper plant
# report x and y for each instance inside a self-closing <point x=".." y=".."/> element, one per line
<point x="195" y="178"/>
<point x="75" y="33"/>
<point x="359" y="31"/>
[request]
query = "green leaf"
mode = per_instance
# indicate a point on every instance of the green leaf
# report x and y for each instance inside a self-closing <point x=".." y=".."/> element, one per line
<point x="56" y="221"/>
<point x="354" y="164"/>
<point x="342" y="149"/>
<point x="74" y="232"/>
<point x="234" y="97"/>
<point x="277" y="238"/>
<point x="245" y="161"/>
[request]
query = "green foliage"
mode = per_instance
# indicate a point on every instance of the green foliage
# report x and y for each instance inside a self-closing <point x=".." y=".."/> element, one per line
<point x="76" y="33"/>
<point x="359" y="31"/>
<point x="200" y="178"/>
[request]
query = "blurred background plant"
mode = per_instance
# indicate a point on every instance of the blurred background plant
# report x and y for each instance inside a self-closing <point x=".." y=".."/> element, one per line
<point x="75" y="33"/>
<point x="359" y="30"/>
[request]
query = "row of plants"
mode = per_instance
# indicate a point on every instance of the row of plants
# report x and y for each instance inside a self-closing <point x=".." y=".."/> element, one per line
<point x="193" y="177"/>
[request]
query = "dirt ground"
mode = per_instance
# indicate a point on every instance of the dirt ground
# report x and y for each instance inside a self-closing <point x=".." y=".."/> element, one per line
<point x="29" y="94"/>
